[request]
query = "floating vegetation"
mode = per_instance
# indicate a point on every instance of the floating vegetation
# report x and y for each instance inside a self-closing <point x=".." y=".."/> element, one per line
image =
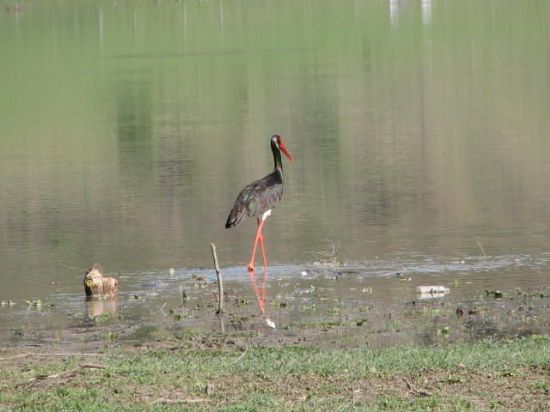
<point x="183" y="293"/>
<point x="278" y="305"/>
<point x="328" y="257"/>
<point x="494" y="294"/>
<point x="241" y="301"/>
<point x="105" y="317"/>
<point x="335" y="311"/>
<point x="37" y="304"/>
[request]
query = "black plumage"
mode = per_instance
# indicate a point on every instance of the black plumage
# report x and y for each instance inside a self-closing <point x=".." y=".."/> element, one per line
<point x="257" y="198"/>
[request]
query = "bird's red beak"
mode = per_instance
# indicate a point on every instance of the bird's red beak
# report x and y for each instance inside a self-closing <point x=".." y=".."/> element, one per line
<point x="285" y="151"/>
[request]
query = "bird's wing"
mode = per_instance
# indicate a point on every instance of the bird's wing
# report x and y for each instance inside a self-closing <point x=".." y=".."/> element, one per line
<point x="255" y="199"/>
<point x="268" y="198"/>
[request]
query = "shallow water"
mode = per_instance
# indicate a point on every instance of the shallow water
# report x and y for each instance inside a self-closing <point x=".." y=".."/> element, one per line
<point x="127" y="129"/>
<point x="324" y="304"/>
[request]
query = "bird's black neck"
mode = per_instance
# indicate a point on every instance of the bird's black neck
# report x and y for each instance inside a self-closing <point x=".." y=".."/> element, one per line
<point x="277" y="162"/>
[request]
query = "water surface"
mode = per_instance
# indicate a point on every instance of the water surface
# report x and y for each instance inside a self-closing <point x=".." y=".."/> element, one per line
<point x="419" y="128"/>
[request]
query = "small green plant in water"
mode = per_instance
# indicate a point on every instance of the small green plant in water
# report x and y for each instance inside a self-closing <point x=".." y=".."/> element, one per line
<point x="279" y="305"/>
<point x="494" y="293"/>
<point x="37" y="304"/>
<point x="111" y="337"/>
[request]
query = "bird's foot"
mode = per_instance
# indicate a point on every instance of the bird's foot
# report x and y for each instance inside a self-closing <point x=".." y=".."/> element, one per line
<point x="250" y="267"/>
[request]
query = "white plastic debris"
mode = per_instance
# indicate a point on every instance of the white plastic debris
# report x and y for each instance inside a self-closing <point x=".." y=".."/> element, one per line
<point x="433" y="290"/>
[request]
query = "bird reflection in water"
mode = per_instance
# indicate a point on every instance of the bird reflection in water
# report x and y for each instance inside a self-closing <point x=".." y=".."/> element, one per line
<point x="260" y="290"/>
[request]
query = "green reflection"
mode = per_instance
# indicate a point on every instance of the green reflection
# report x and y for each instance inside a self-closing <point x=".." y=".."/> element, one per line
<point x="127" y="129"/>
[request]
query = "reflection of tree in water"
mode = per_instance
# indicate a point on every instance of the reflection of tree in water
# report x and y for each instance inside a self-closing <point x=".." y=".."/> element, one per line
<point x="134" y="111"/>
<point x="175" y="167"/>
<point x="327" y="142"/>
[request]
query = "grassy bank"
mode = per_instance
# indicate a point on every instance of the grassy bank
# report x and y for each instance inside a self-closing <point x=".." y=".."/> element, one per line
<point x="223" y="372"/>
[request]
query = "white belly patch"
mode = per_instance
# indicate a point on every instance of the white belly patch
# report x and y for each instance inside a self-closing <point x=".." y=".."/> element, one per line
<point x="266" y="214"/>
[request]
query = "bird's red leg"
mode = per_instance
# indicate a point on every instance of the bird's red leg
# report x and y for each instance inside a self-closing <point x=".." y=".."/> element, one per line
<point x="258" y="236"/>
<point x="262" y="246"/>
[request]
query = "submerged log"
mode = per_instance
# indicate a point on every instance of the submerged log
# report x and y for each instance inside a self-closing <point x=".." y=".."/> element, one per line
<point x="96" y="283"/>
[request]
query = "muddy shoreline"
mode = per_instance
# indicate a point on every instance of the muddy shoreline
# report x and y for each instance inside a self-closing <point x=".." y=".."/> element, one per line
<point x="328" y="307"/>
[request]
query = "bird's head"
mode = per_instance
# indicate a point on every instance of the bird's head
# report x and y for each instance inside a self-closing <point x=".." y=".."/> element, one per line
<point x="277" y="141"/>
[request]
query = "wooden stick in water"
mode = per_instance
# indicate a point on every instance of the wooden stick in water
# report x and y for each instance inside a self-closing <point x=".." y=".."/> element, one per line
<point x="219" y="276"/>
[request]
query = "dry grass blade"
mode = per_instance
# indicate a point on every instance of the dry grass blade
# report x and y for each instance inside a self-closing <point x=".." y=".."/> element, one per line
<point x="65" y="374"/>
<point x="21" y="355"/>
<point x="68" y="354"/>
<point x="173" y="401"/>
<point x="241" y="355"/>
<point x="420" y="392"/>
<point x="93" y="366"/>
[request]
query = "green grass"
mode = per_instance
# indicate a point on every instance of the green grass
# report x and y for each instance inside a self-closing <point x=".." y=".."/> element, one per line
<point x="453" y="377"/>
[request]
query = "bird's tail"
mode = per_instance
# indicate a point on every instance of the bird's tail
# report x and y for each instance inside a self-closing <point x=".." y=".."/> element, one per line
<point x="235" y="217"/>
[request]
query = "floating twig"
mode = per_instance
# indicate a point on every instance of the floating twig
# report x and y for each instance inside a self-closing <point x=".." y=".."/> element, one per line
<point x="219" y="277"/>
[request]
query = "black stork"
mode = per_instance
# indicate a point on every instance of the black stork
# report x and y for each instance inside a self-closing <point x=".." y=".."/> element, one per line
<point x="259" y="197"/>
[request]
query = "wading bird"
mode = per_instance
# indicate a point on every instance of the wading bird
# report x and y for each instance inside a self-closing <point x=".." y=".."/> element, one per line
<point x="259" y="197"/>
